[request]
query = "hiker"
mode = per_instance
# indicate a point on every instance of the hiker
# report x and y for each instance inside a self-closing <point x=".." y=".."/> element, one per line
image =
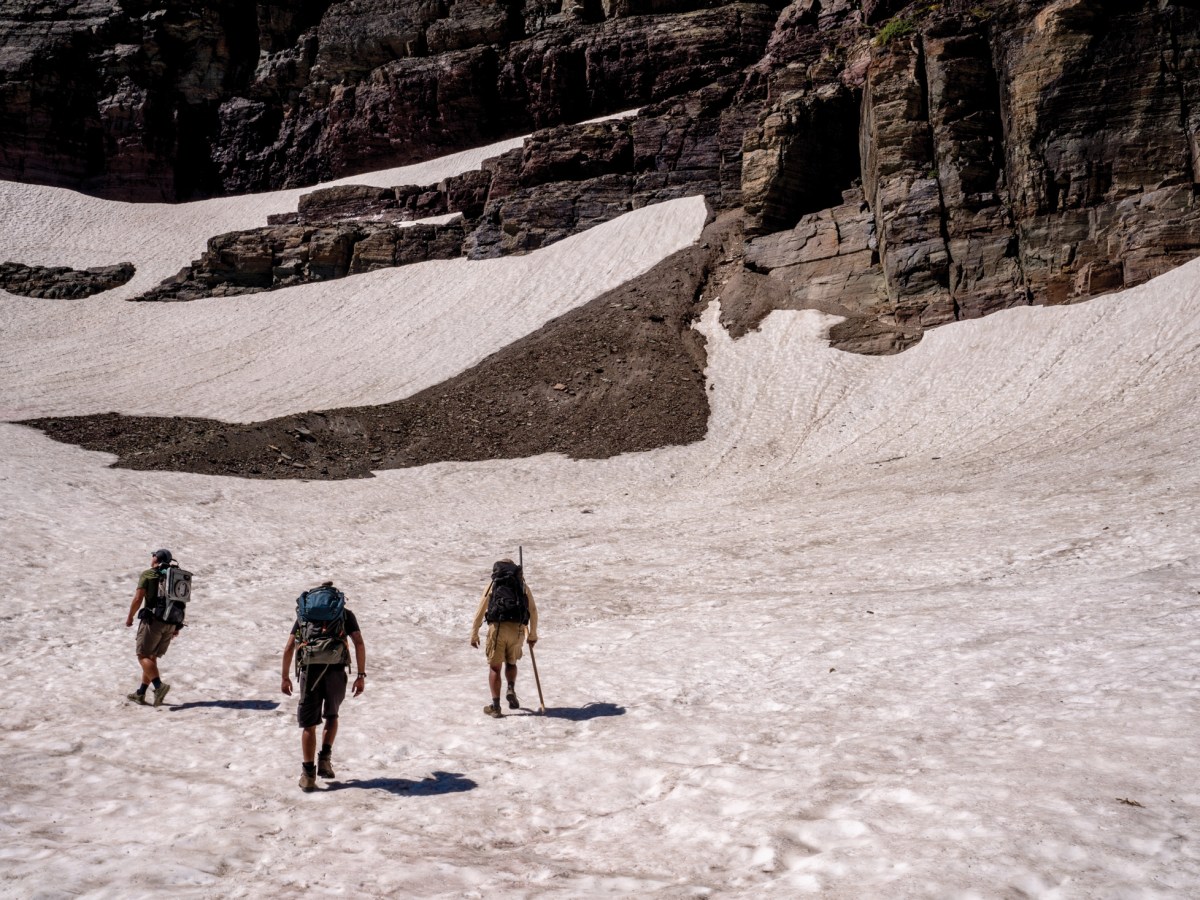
<point x="507" y="605"/>
<point x="154" y="635"/>
<point x="318" y="640"/>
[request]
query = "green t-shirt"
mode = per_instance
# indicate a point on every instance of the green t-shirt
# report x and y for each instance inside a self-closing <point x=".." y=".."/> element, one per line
<point x="149" y="582"/>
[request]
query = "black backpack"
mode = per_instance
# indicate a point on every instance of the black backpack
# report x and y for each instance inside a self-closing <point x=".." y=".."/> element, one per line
<point x="508" y="602"/>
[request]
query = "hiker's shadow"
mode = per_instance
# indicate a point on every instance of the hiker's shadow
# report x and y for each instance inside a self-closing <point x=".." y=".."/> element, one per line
<point x="254" y="705"/>
<point x="583" y="713"/>
<point x="437" y="783"/>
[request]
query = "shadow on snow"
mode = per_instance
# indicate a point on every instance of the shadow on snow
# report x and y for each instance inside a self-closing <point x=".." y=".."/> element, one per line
<point x="583" y="713"/>
<point x="437" y="783"/>
<point x="257" y="705"/>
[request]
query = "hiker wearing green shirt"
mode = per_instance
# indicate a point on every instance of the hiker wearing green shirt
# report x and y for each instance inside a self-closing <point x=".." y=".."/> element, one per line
<point x="153" y="636"/>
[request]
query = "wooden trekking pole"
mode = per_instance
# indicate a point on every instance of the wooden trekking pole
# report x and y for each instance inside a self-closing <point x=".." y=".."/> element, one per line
<point x="532" y="658"/>
<point x="537" y="681"/>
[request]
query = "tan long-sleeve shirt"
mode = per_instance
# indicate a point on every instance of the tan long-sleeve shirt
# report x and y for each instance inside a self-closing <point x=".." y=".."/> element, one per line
<point x="531" y="635"/>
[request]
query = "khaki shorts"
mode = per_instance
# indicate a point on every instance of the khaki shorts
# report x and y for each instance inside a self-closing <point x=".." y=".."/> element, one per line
<point x="504" y="642"/>
<point x="153" y="638"/>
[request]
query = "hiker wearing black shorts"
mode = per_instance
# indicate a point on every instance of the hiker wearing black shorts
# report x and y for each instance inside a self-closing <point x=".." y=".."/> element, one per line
<point x="507" y="606"/>
<point x="153" y="636"/>
<point x="322" y="690"/>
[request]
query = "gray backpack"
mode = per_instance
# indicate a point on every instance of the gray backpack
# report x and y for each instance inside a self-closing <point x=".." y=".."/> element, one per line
<point x="174" y="592"/>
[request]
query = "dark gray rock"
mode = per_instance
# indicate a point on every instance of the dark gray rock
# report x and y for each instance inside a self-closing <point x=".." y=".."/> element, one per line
<point x="60" y="282"/>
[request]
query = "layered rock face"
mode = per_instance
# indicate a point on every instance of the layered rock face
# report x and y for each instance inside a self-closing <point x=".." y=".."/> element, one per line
<point x="902" y="166"/>
<point x="171" y="100"/>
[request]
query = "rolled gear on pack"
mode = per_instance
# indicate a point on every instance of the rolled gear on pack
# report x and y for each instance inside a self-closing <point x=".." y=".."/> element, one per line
<point x="321" y="636"/>
<point x="508" y="601"/>
<point x="174" y="592"/>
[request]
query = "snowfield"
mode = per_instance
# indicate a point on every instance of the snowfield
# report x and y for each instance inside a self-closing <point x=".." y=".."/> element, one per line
<point x="916" y="626"/>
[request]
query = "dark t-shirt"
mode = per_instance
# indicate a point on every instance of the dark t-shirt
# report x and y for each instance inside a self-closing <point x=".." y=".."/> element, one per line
<point x="351" y="624"/>
<point x="149" y="582"/>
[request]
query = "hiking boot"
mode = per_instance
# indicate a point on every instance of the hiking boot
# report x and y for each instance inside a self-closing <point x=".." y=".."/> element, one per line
<point x="493" y="710"/>
<point x="160" y="693"/>
<point x="308" y="783"/>
<point x="325" y="765"/>
<point x="513" y="702"/>
<point x="139" y="699"/>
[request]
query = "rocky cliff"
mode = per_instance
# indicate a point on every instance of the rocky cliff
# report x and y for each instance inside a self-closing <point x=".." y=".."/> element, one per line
<point x="902" y="166"/>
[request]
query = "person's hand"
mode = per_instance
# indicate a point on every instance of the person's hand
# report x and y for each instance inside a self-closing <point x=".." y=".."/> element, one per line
<point x="532" y="641"/>
<point x="474" y="642"/>
<point x="129" y="621"/>
<point x="286" y="687"/>
<point x="360" y="685"/>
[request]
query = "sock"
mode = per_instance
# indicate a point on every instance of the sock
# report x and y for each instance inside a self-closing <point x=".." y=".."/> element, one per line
<point x="142" y="689"/>
<point x="310" y="769"/>
<point x="326" y="749"/>
<point x="512" y="687"/>
<point x="495" y="702"/>
<point x="157" y="682"/>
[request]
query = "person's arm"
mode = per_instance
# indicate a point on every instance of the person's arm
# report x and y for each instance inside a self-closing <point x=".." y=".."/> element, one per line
<point x="288" y="649"/>
<point x="479" y="614"/>
<point x="532" y="634"/>
<point x="360" y="658"/>
<point x="138" y="597"/>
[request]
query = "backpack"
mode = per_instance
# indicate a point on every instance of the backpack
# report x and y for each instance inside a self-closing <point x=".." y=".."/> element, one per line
<point x="321" y="638"/>
<point x="508" y="602"/>
<point x="174" y="592"/>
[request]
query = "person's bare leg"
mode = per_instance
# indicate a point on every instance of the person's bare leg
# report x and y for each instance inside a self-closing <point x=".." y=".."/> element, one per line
<point x="149" y="668"/>
<point x="510" y="673"/>
<point x="308" y="744"/>
<point x="494" y="682"/>
<point x="329" y="733"/>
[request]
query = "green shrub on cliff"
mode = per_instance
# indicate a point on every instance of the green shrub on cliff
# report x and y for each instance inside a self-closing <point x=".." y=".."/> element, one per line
<point x="894" y="28"/>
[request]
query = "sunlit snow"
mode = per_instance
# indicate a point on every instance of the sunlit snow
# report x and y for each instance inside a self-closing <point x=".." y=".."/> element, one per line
<point x="916" y="626"/>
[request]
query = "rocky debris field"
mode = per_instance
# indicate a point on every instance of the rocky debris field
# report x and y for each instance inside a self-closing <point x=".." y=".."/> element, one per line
<point x="622" y="373"/>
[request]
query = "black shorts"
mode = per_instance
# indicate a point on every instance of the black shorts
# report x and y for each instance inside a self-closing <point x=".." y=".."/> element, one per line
<point x="322" y="700"/>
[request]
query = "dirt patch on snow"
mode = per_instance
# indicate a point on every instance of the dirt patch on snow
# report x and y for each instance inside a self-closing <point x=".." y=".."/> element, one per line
<point x="623" y="373"/>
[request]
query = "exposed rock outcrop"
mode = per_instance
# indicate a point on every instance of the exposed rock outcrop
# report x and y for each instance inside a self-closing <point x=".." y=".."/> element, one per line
<point x="246" y="262"/>
<point x="61" y="282"/>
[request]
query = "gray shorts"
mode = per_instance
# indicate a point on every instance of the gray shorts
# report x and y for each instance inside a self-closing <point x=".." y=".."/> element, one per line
<point x="324" y="698"/>
<point x="153" y="638"/>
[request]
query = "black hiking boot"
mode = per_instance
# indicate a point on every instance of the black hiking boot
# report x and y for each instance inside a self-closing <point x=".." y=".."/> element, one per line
<point x="513" y="702"/>
<point x="325" y="765"/>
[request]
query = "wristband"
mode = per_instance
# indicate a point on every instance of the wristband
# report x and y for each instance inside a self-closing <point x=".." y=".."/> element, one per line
<point x="360" y="675"/>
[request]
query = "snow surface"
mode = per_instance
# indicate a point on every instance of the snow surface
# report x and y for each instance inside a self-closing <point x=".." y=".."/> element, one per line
<point x="917" y="626"/>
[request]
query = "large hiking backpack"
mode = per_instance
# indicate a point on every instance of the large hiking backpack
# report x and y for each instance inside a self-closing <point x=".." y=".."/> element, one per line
<point x="321" y="639"/>
<point x="174" y="592"/>
<point x="508" y="602"/>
